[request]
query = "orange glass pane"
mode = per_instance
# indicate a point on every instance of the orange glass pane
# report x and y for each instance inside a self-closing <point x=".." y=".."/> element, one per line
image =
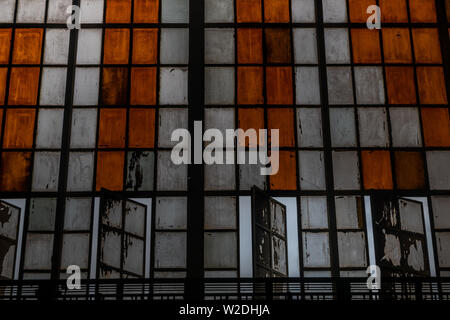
<point x="377" y="173"/>
<point x="393" y="11"/>
<point x="110" y="170"/>
<point x="27" y="46"/>
<point x="409" y="170"/>
<point x="15" y="171"/>
<point x="276" y="11"/>
<point x="23" y="86"/>
<point x="252" y="118"/>
<point x="111" y="133"/>
<point x="143" y="86"/>
<point x="5" y="43"/>
<point x="285" y="179"/>
<point x="114" y="86"/>
<point x="436" y="127"/>
<point x="116" y="46"/>
<point x="248" y="10"/>
<point x="141" y="128"/>
<point x="146" y="11"/>
<point x="358" y="10"/>
<point x="426" y="45"/>
<point x="1" y="117"/>
<point x="279" y="85"/>
<point x="3" y="75"/>
<point x="431" y="85"/>
<point x="278" y="45"/>
<point x="250" y="85"/>
<point x="396" y="45"/>
<point x="366" y="46"/>
<point x="422" y="10"/>
<point x="400" y="85"/>
<point x="145" y="46"/>
<point x="283" y="120"/>
<point x="249" y="45"/>
<point x="118" y="11"/>
<point x="19" y="128"/>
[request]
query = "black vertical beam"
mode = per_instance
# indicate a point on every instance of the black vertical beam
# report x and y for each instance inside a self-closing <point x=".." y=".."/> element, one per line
<point x="195" y="233"/>
<point x="65" y="148"/>
<point x="327" y="149"/>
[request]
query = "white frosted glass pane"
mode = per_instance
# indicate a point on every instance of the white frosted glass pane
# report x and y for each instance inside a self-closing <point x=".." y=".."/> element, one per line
<point x="57" y="11"/>
<point x="314" y="212"/>
<point x="170" y="120"/>
<point x="49" y="128"/>
<point x="312" y="170"/>
<point x="45" y="171"/>
<point x="219" y="85"/>
<point x="175" y="11"/>
<point x="305" y="45"/>
<point x="81" y="170"/>
<point x="31" y="11"/>
<point x="75" y="250"/>
<point x="373" y="128"/>
<point x="219" y="11"/>
<point x="170" y="176"/>
<point x="337" y="49"/>
<point x="84" y="128"/>
<point x="369" y="85"/>
<point x="405" y="127"/>
<point x="309" y="127"/>
<point x="86" y="86"/>
<point x="53" y="86"/>
<point x="334" y="11"/>
<point x="342" y="127"/>
<point x="173" y="86"/>
<point x="56" y="49"/>
<point x="7" y="12"/>
<point x="316" y="249"/>
<point x="89" y="46"/>
<point x="91" y="11"/>
<point x="303" y="11"/>
<point x="307" y="85"/>
<point x="174" y="46"/>
<point x="219" y="46"/>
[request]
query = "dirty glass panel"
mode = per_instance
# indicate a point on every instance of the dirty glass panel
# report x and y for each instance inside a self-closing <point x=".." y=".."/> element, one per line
<point x="314" y="212"/>
<point x="342" y="126"/>
<point x="42" y="214"/>
<point x="84" y="128"/>
<point x="9" y="222"/>
<point x="411" y="216"/>
<point x="352" y="249"/>
<point x="305" y="45"/>
<point x="135" y="216"/>
<point x="170" y="250"/>
<point x="30" y="11"/>
<point x="133" y="255"/>
<point x="316" y="250"/>
<point x="56" y="12"/>
<point x="346" y="170"/>
<point x="220" y="213"/>
<point x="81" y="170"/>
<point x="170" y="119"/>
<point x="174" y="46"/>
<point x="53" y="86"/>
<point x="373" y="127"/>
<point x="56" y="49"/>
<point x="89" y="46"/>
<point x="92" y="11"/>
<point x="369" y="85"/>
<point x="75" y="250"/>
<point x="78" y="214"/>
<point x="220" y="250"/>
<point x="175" y="11"/>
<point x="443" y="248"/>
<point x="86" y="86"/>
<point x="219" y="85"/>
<point x="340" y="90"/>
<point x="309" y="127"/>
<point x="312" y="170"/>
<point x="438" y="169"/>
<point x="307" y="85"/>
<point x="7" y="13"/>
<point x="279" y="257"/>
<point x="173" y="86"/>
<point x="303" y="11"/>
<point x="334" y="11"/>
<point x="441" y="211"/>
<point x="405" y="127"/>
<point x="140" y="166"/>
<point x="220" y="177"/>
<point x="49" y="128"/>
<point x="170" y="176"/>
<point x="219" y="46"/>
<point x="337" y="48"/>
<point x="249" y="176"/>
<point x="219" y="11"/>
<point x="349" y="212"/>
<point x="46" y="171"/>
<point x="38" y="251"/>
<point x="171" y="213"/>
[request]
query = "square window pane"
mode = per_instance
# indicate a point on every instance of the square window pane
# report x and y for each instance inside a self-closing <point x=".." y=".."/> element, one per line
<point x="352" y="249"/>
<point x="316" y="250"/>
<point x="312" y="170"/>
<point x="340" y="85"/>
<point x="53" y="86"/>
<point x="78" y="214"/>
<point x="170" y="120"/>
<point x="92" y="11"/>
<point x="89" y="46"/>
<point x="56" y="12"/>
<point x="56" y="50"/>
<point x="49" y="128"/>
<point x="373" y="127"/>
<point x="84" y="128"/>
<point x="346" y="170"/>
<point x="220" y="177"/>
<point x="349" y="212"/>
<point x="314" y="212"/>
<point x="30" y="11"/>
<point x="86" y="86"/>
<point x="305" y="45"/>
<point x="342" y="126"/>
<point x="334" y="11"/>
<point x="219" y="11"/>
<point x="369" y="85"/>
<point x="173" y="86"/>
<point x="337" y="48"/>
<point x="250" y="175"/>
<point x="140" y="167"/>
<point x="7" y="12"/>
<point x="405" y="127"/>
<point x="221" y="119"/>
<point x="45" y="171"/>
<point x="170" y="176"/>
<point x="219" y="46"/>
<point x="220" y="250"/>
<point x="171" y="213"/>
<point x="81" y="170"/>
<point x="174" y="46"/>
<point x="220" y="213"/>
<point x="303" y="11"/>
<point x="170" y="250"/>
<point x="42" y="214"/>
<point x="175" y="11"/>
<point x="307" y="85"/>
<point x="219" y="86"/>
<point x="309" y="127"/>
<point x="75" y="250"/>
<point x="438" y="169"/>
<point x="38" y="251"/>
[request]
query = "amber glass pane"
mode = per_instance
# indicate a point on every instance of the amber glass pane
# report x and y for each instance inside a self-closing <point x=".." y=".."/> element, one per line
<point x="283" y="120"/>
<point x="23" y="86"/>
<point x="1" y="118"/>
<point x="114" y="86"/>
<point x="393" y="11"/>
<point x="436" y="127"/>
<point x="5" y="43"/>
<point x="19" y="128"/>
<point x="431" y="85"/>
<point x="278" y="45"/>
<point x="15" y="171"/>
<point x="447" y="5"/>
<point x="112" y="128"/>
<point x="409" y="170"/>
<point x="396" y="45"/>
<point x="146" y="11"/>
<point x="400" y="85"/>
<point x="118" y="11"/>
<point x="249" y="45"/>
<point x="252" y="118"/>
<point x="276" y="10"/>
<point x="3" y="74"/>
<point x="366" y="46"/>
<point x="377" y="173"/>
<point x="145" y="46"/>
<point x="141" y="128"/>
<point x="248" y="10"/>
<point x="285" y="179"/>
<point x="116" y="46"/>
<point x="279" y="85"/>
<point x="27" y="46"/>
<point x="358" y="10"/>
<point x="426" y="45"/>
<point x="250" y="85"/>
<point x="143" y="86"/>
<point x="110" y="170"/>
<point x="422" y="10"/>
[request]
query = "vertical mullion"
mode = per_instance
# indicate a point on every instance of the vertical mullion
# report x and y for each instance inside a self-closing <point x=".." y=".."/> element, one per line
<point x="332" y="232"/>
<point x="64" y="158"/>
<point x="195" y="212"/>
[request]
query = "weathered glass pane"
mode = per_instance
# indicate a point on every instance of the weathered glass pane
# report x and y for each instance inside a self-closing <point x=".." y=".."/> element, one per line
<point x="135" y="217"/>
<point x="30" y="11"/>
<point x="342" y="126"/>
<point x="7" y="13"/>
<point x="312" y="170"/>
<point x="92" y="11"/>
<point x="405" y="127"/>
<point x="441" y="212"/>
<point x="81" y="169"/>
<point x="219" y="46"/>
<point x="170" y="120"/>
<point x="42" y="214"/>
<point x="352" y="249"/>
<point x="38" y="251"/>
<point x="170" y="176"/>
<point x="219" y="85"/>
<point x="334" y="11"/>
<point x="337" y="48"/>
<point x="171" y="213"/>
<point x="86" y="86"/>
<point x="170" y="250"/>
<point x="84" y="128"/>
<point x="175" y="11"/>
<point x="49" y="128"/>
<point x="75" y="250"/>
<point x="46" y="171"/>
<point x="314" y="212"/>
<point x="349" y="212"/>
<point x="56" y="46"/>
<point x="411" y="216"/>
<point x="89" y="46"/>
<point x="78" y="214"/>
<point x="173" y="86"/>
<point x="134" y="255"/>
<point x="220" y="213"/>
<point x="220" y="250"/>
<point x="307" y="85"/>
<point x="443" y="248"/>
<point x="309" y="127"/>
<point x="340" y="85"/>
<point x="303" y="11"/>
<point x="316" y="249"/>
<point x="140" y="167"/>
<point x="438" y="169"/>
<point x="57" y="11"/>
<point x="346" y="170"/>
<point x="220" y="177"/>
<point x="369" y="85"/>
<point x="219" y="11"/>
<point x="373" y="127"/>
<point x="53" y="86"/>
<point x="305" y="45"/>
<point x="174" y="46"/>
